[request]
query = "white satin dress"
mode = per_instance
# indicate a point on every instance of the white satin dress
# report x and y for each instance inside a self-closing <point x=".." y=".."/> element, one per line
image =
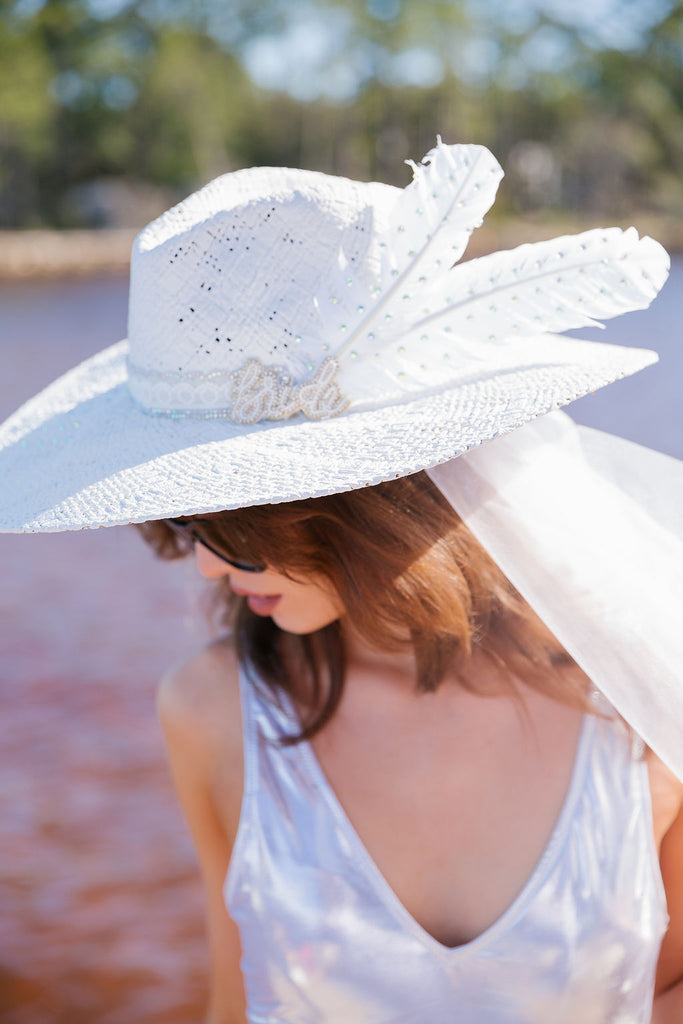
<point x="326" y="941"/>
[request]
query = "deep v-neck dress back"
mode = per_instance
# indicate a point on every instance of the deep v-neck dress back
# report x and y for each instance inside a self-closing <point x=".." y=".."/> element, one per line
<point x="326" y="941"/>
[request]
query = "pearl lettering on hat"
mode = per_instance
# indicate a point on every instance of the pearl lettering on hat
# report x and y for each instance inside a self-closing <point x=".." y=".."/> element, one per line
<point x="259" y="394"/>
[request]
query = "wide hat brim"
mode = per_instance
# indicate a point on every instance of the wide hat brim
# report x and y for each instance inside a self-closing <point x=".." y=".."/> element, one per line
<point x="83" y="454"/>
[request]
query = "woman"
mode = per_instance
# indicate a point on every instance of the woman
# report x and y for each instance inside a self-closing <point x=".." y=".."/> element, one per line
<point x="408" y="801"/>
<point x="446" y="721"/>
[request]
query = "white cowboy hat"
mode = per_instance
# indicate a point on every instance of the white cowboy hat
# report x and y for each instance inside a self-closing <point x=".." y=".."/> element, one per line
<point x="293" y="334"/>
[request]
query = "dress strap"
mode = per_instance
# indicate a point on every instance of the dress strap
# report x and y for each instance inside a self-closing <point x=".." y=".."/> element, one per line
<point x="250" y="785"/>
<point x="249" y="737"/>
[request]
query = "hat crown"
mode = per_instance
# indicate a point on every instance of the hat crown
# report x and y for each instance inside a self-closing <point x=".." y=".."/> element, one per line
<point x="273" y="292"/>
<point x="233" y="275"/>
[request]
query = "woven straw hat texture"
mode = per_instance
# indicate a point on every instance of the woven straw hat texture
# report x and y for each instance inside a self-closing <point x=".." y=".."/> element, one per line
<point x="278" y="350"/>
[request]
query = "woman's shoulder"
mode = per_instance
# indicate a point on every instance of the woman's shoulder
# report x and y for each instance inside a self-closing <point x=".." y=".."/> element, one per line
<point x="200" y="714"/>
<point x="666" y="792"/>
<point x="198" y="702"/>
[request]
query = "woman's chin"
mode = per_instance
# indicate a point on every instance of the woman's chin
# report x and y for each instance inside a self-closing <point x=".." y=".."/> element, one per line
<point x="301" y="625"/>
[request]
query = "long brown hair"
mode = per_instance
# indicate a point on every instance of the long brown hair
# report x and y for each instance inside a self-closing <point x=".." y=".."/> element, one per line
<point x="408" y="572"/>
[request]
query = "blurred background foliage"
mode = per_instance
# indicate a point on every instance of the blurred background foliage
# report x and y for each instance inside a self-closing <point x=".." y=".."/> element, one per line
<point x="109" y="109"/>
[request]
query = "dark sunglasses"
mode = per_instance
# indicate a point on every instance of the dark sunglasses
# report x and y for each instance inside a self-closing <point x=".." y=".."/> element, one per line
<point x="188" y="530"/>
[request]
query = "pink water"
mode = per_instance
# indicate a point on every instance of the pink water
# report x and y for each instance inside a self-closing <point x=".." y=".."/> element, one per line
<point x="100" y="909"/>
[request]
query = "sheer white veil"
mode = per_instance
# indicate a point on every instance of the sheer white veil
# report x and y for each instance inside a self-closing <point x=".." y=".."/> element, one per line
<point x="589" y="528"/>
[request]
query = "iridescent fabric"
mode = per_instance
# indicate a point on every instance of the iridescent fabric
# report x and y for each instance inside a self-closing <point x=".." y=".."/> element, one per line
<point x="325" y="940"/>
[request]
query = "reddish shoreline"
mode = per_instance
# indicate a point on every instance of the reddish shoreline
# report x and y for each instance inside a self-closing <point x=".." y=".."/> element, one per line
<point x="46" y="253"/>
<point x="43" y="253"/>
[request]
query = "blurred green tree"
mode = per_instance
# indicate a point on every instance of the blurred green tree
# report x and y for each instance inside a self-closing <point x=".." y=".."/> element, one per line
<point x="583" y="106"/>
<point x="26" y="124"/>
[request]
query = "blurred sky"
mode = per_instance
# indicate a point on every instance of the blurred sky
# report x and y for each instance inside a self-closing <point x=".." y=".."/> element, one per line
<point x="310" y="50"/>
<point x="326" y="66"/>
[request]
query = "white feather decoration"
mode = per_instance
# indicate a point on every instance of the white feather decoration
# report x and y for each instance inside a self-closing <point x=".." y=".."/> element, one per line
<point x="430" y="228"/>
<point x="548" y="286"/>
<point x="552" y="286"/>
<point x="436" y="214"/>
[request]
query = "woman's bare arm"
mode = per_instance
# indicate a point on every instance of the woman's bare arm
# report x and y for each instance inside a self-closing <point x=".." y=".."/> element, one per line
<point x="667" y="799"/>
<point x="199" y="710"/>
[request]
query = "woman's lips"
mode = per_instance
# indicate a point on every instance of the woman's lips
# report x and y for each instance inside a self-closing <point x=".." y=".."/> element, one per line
<point x="260" y="604"/>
